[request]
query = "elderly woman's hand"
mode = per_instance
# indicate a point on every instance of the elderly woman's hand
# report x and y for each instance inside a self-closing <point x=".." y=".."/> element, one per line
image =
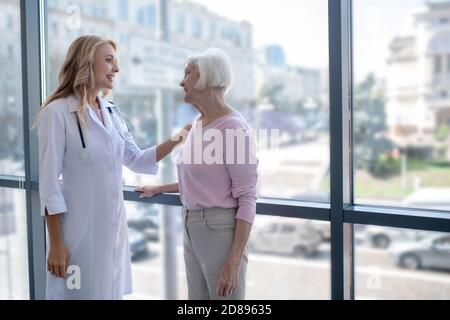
<point x="151" y="191"/>
<point x="228" y="278"/>
<point x="148" y="191"/>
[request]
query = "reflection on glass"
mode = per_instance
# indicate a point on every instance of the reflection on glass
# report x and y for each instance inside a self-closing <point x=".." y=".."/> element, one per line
<point x="280" y="84"/>
<point x="401" y="264"/>
<point x="288" y="258"/>
<point x="13" y="245"/>
<point x="11" y="145"/>
<point x="402" y="103"/>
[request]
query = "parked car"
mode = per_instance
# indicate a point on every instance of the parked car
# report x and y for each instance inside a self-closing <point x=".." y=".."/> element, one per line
<point x="324" y="229"/>
<point x="146" y="221"/>
<point x="286" y="236"/>
<point x="433" y="252"/>
<point x="382" y="237"/>
<point x="138" y="243"/>
<point x="423" y="198"/>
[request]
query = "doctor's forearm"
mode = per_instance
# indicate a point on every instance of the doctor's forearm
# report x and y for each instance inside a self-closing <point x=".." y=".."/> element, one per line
<point x="54" y="229"/>
<point x="167" y="147"/>
<point x="163" y="149"/>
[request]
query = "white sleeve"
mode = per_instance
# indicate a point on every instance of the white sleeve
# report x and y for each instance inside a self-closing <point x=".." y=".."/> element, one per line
<point x="138" y="160"/>
<point x="51" y="154"/>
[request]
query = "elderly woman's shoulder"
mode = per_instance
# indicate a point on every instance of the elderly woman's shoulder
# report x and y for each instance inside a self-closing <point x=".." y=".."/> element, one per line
<point x="235" y="120"/>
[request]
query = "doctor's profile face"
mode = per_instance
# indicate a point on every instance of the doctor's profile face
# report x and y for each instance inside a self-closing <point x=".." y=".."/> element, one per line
<point x="191" y="76"/>
<point x="105" y="67"/>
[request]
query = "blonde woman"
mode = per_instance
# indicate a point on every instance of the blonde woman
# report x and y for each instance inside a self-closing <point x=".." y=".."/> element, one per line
<point x="84" y="139"/>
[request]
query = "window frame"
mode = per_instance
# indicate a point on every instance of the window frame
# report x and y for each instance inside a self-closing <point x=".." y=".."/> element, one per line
<point x="340" y="212"/>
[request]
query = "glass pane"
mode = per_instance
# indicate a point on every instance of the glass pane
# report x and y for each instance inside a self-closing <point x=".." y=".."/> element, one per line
<point x="288" y="258"/>
<point x="280" y="84"/>
<point x="402" y="103"/>
<point x="401" y="264"/>
<point x="148" y="272"/>
<point x="11" y="146"/>
<point x="13" y="245"/>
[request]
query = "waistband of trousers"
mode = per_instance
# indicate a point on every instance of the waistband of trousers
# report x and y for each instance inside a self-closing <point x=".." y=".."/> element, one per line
<point x="209" y="212"/>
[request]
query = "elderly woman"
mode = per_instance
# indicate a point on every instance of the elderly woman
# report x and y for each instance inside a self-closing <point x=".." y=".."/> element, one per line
<point x="218" y="194"/>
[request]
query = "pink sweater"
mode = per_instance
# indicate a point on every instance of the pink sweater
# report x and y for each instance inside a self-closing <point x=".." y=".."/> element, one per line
<point x="216" y="171"/>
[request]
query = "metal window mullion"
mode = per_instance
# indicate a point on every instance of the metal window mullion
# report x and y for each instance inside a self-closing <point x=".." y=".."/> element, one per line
<point x="12" y="182"/>
<point x="348" y="168"/>
<point x="399" y="218"/>
<point x="30" y="13"/>
<point x="340" y="159"/>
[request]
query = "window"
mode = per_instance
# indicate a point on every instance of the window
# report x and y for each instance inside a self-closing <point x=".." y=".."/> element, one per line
<point x="13" y="245"/>
<point x="289" y="102"/>
<point x="141" y="16"/>
<point x="401" y="264"/>
<point x="10" y="23"/>
<point x="180" y="23"/>
<point x="438" y="64"/>
<point x="400" y="130"/>
<point x="144" y="232"/>
<point x="288" y="251"/>
<point x="401" y="127"/>
<point x="123" y="9"/>
<point x="448" y="63"/>
<point x="152" y="16"/>
<point x="11" y="147"/>
<point x="197" y="28"/>
<point x="10" y="51"/>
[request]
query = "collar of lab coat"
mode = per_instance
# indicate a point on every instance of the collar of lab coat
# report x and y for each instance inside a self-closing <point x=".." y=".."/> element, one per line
<point x="74" y="102"/>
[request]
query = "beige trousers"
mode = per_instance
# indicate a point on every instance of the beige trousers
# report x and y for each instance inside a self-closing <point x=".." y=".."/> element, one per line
<point x="208" y="237"/>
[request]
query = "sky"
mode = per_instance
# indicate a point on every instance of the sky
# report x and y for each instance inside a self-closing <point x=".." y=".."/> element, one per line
<point x="300" y="26"/>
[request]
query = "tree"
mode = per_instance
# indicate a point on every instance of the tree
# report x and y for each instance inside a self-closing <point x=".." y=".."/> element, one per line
<point x="369" y="118"/>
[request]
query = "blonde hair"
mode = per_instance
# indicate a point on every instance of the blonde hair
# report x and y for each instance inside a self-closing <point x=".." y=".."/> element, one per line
<point x="77" y="75"/>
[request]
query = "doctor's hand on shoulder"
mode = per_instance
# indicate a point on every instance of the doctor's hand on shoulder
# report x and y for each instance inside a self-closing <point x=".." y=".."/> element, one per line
<point x="181" y="136"/>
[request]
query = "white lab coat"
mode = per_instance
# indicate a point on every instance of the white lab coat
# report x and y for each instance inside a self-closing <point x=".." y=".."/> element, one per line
<point x="90" y="196"/>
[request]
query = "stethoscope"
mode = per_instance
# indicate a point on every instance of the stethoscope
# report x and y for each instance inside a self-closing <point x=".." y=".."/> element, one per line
<point x="85" y="152"/>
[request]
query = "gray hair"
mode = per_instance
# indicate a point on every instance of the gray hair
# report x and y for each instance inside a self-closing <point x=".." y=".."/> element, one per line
<point x="215" y="69"/>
